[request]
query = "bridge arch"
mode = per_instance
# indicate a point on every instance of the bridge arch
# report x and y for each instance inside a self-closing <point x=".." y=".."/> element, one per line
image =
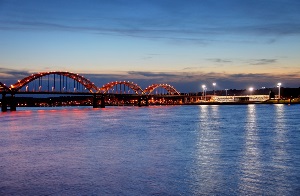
<point x="171" y="90"/>
<point x="136" y="88"/>
<point x="82" y="80"/>
<point x="3" y="87"/>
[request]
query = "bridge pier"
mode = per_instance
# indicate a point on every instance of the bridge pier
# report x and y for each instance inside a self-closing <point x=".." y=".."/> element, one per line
<point x="95" y="101"/>
<point x="11" y="100"/>
<point x="13" y="104"/>
<point x="102" y="105"/>
<point x="140" y="104"/>
<point x="4" y="103"/>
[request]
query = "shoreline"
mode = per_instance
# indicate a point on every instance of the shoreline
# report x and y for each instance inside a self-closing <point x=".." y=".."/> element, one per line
<point x="241" y="103"/>
<point x="200" y="103"/>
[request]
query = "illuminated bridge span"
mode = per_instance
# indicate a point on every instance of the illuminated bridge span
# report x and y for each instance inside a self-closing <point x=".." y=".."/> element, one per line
<point x="111" y="85"/>
<point x="168" y="87"/>
<point x="62" y="81"/>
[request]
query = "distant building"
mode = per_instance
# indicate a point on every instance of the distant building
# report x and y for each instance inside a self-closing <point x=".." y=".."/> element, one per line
<point x="239" y="98"/>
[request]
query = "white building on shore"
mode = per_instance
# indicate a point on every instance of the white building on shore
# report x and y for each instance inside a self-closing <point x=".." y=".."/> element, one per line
<point x="239" y="98"/>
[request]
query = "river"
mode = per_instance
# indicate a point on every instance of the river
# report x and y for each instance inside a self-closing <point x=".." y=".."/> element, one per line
<point x="156" y="150"/>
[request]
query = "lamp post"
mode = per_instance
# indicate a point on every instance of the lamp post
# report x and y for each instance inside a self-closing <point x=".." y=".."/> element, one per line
<point x="204" y="88"/>
<point x="226" y="92"/>
<point x="279" y="84"/>
<point x="251" y="89"/>
<point x="214" y="84"/>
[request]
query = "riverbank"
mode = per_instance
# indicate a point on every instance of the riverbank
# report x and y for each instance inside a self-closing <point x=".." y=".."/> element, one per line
<point x="272" y="101"/>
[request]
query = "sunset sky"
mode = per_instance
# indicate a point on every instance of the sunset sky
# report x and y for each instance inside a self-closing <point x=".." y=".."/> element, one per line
<point x="235" y="43"/>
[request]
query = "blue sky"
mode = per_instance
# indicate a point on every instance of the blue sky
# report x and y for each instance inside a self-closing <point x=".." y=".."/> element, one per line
<point x="234" y="43"/>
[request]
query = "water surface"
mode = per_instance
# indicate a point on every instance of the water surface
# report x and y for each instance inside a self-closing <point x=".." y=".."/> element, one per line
<point x="161" y="150"/>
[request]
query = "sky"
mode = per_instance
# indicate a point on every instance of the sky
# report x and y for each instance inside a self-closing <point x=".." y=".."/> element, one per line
<point x="235" y="43"/>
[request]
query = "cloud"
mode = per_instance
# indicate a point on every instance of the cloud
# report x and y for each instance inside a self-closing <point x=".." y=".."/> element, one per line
<point x="262" y="61"/>
<point x="219" y="60"/>
<point x="150" y="56"/>
<point x="192" y="80"/>
<point x="196" y="35"/>
<point x="184" y="81"/>
<point x="11" y="76"/>
<point x="180" y="22"/>
<point x="6" y="73"/>
<point x="190" y="68"/>
<point x="152" y="74"/>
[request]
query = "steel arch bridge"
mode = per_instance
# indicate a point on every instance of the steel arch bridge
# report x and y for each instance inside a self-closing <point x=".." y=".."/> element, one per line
<point x="168" y="87"/>
<point x="136" y="88"/>
<point x="90" y="86"/>
<point x="82" y="80"/>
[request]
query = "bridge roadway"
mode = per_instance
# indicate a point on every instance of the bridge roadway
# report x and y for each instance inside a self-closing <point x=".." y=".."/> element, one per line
<point x="98" y="99"/>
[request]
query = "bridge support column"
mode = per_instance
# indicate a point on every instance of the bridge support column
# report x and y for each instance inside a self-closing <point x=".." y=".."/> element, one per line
<point x="13" y="104"/>
<point x="147" y="101"/>
<point x="94" y="101"/>
<point x="102" y="101"/>
<point x="184" y="100"/>
<point x="140" y="101"/>
<point x="4" y="103"/>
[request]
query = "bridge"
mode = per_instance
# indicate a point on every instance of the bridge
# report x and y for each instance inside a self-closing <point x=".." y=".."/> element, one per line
<point x="72" y="84"/>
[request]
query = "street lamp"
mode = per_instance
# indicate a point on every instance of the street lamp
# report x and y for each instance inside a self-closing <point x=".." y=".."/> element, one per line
<point x="204" y="88"/>
<point x="251" y="89"/>
<point x="226" y="92"/>
<point x="279" y="84"/>
<point x="214" y="84"/>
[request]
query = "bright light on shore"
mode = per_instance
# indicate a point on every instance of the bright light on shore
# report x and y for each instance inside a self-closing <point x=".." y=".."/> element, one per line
<point x="279" y="84"/>
<point x="214" y="84"/>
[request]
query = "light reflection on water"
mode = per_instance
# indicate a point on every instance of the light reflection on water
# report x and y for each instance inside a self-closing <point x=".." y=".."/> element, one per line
<point x="251" y="160"/>
<point x="181" y="150"/>
<point x="207" y="176"/>
<point x="280" y="143"/>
